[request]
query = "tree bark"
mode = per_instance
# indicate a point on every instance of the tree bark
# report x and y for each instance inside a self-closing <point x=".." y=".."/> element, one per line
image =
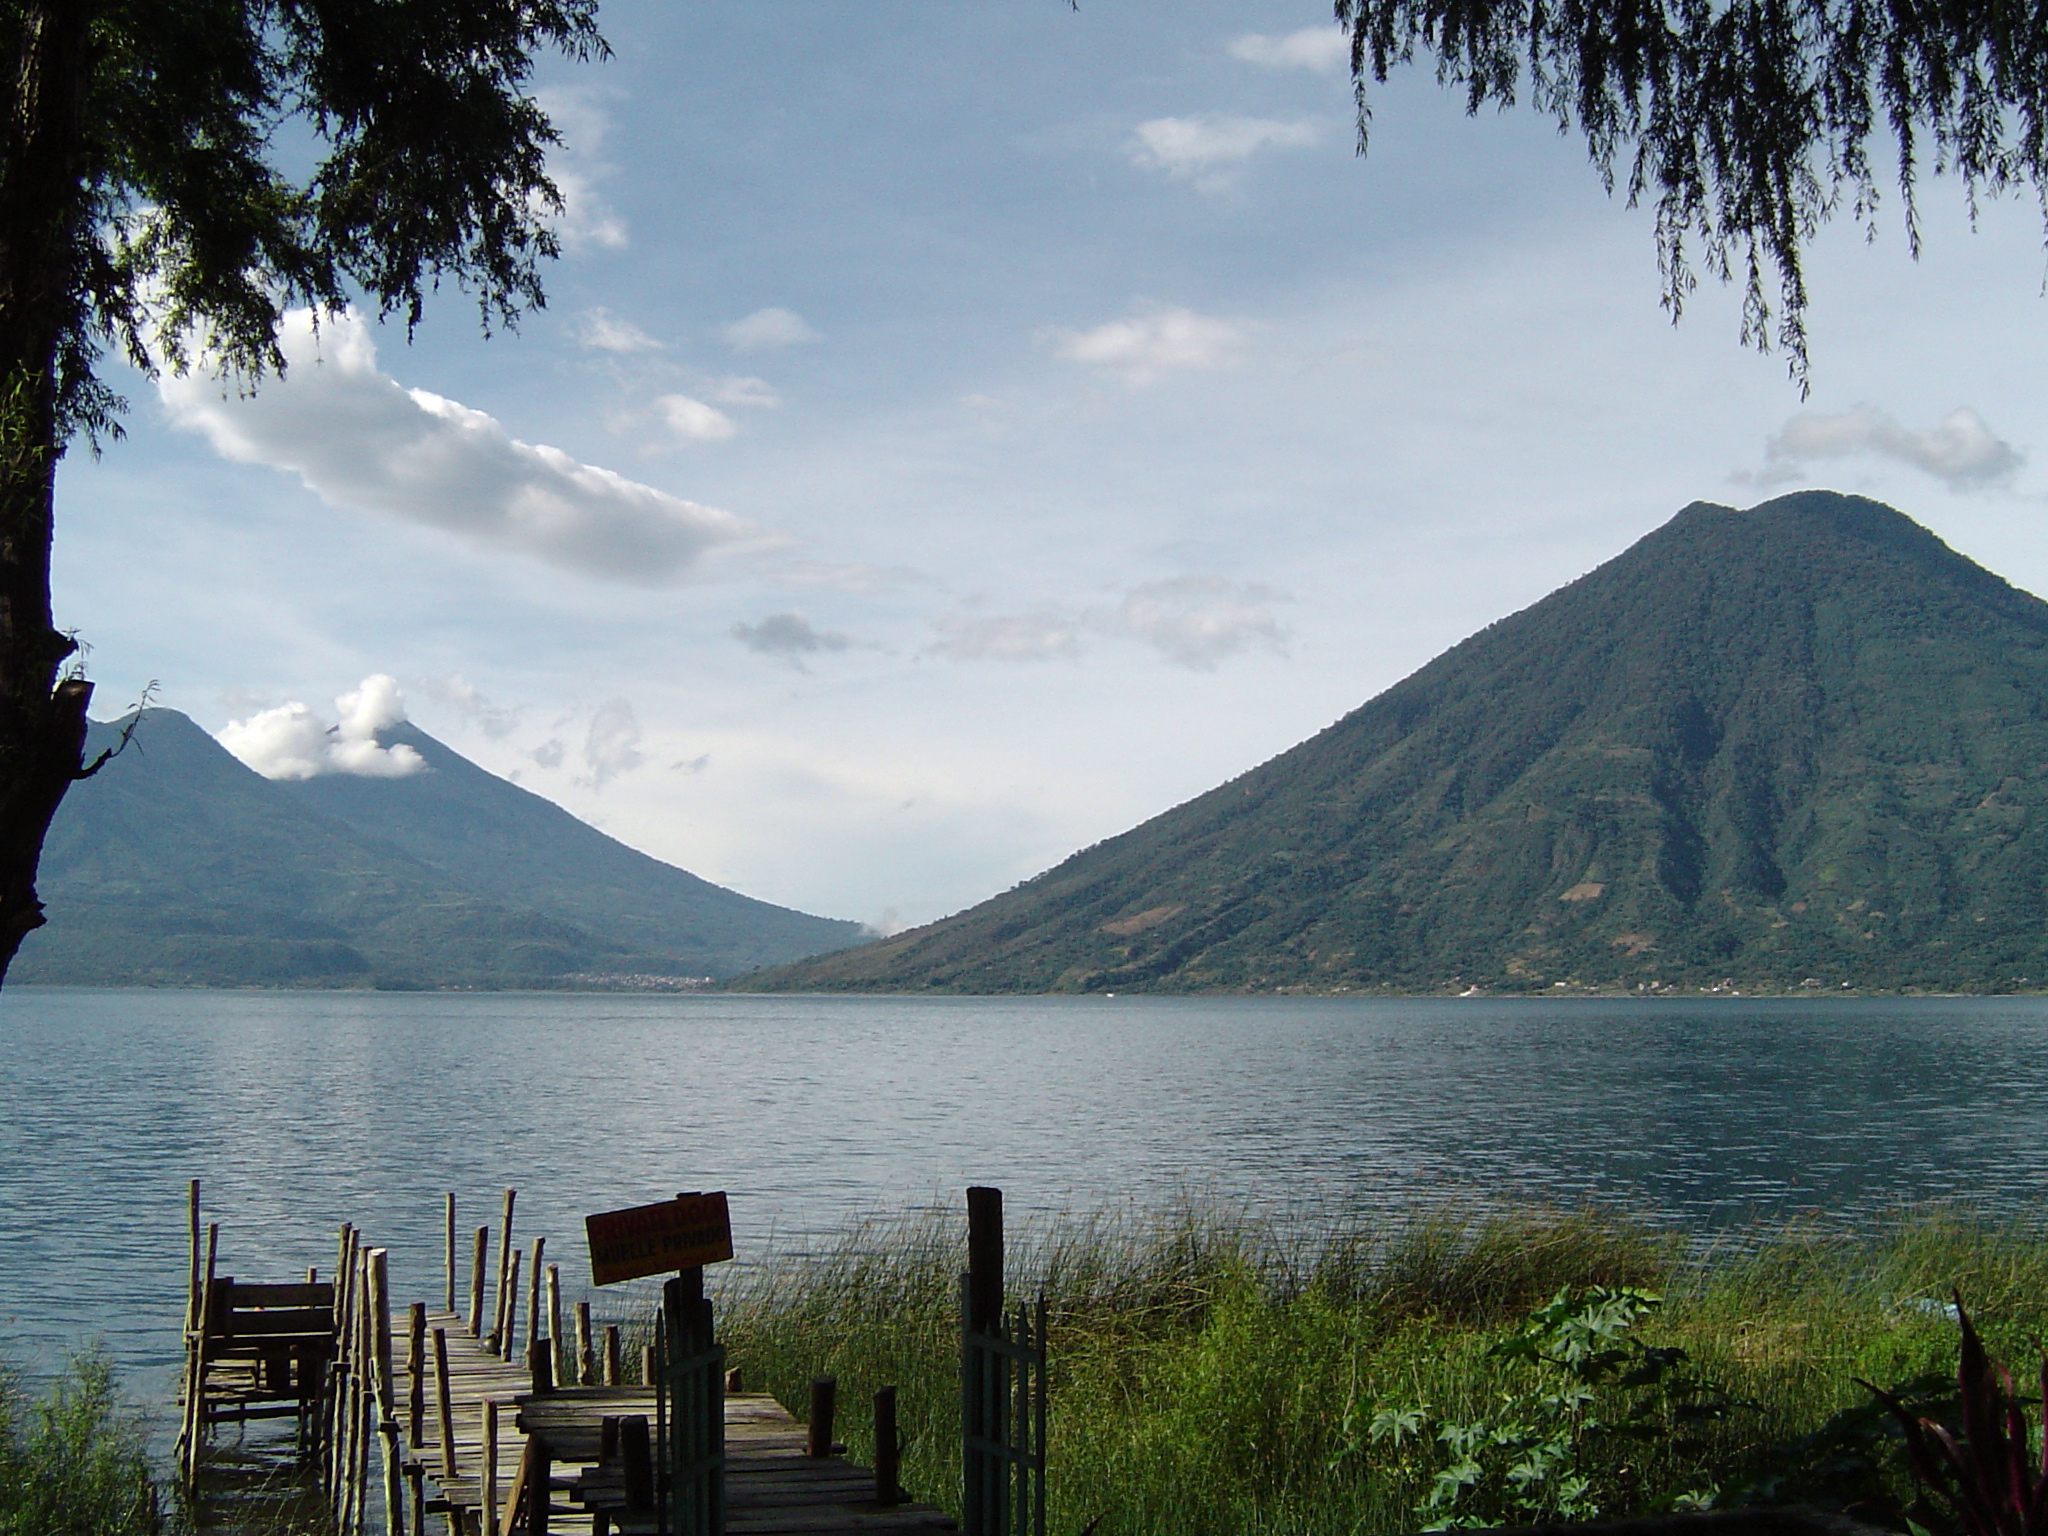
<point x="42" y="212"/>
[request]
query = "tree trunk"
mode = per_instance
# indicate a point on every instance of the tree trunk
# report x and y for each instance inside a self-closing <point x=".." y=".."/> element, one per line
<point x="42" y="212"/>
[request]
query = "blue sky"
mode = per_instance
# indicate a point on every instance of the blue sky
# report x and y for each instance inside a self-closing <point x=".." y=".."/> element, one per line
<point x="958" y="432"/>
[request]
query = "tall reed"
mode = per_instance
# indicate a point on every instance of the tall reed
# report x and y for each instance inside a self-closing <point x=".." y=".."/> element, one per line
<point x="1209" y="1368"/>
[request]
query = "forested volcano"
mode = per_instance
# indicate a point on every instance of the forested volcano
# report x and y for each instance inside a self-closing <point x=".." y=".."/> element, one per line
<point x="1799" y="746"/>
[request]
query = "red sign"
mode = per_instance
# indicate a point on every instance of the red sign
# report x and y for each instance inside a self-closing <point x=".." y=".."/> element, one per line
<point x="683" y="1233"/>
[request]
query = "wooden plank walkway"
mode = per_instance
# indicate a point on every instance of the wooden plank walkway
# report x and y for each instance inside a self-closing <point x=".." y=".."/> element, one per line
<point x="772" y="1487"/>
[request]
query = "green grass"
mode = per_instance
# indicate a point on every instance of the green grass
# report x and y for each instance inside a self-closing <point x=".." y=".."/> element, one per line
<point x="72" y="1460"/>
<point x="1204" y="1364"/>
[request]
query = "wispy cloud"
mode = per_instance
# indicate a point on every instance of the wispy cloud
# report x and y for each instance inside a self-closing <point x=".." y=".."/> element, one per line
<point x="602" y="331"/>
<point x="1197" y="621"/>
<point x="576" y="165"/>
<point x="789" y="638"/>
<point x="1322" y="49"/>
<point x="1146" y="346"/>
<point x="743" y="389"/>
<point x="767" y="330"/>
<point x="1043" y="635"/>
<point x="462" y="696"/>
<point x="1961" y="450"/>
<point x="291" y="742"/>
<point x="358" y="438"/>
<point x="611" y="746"/>
<point x="693" y="420"/>
<point x="1210" y="150"/>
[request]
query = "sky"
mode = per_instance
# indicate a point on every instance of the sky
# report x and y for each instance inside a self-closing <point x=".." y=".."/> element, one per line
<point x="957" y="433"/>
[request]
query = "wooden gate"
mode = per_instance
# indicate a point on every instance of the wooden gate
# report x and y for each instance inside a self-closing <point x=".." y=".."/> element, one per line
<point x="693" y="1403"/>
<point x="1002" y="1389"/>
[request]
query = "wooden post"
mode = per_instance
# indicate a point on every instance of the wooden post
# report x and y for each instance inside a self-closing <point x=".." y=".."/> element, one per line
<point x="534" y="1468"/>
<point x="734" y="1382"/>
<point x="192" y="1288"/>
<point x="888" y="1449"/>
<point x="451" y="1250"/>
<point x="478" y="1259"/>
<point x="540" y="1365"/>
<point x="196" y="1361"/>
<point x="824" y="1399"/>
<point x="490" y="1483"/>
<point x="614" y="1367"/>
<point x="379" y="1299"/>
<point x="534" y="1281"/>
<point x="649" y="1372"/>
<point x="505" y="1282"/>
<point x="416" y="1484"/>
<point x="508" y="1319"/>
<point x="444" y="1403"/>
<point x="416" y="1375"/>
<point x="564" y="1372"/>
<point x="985" y="1259"/>
<point x="636" y="1461"/>
<point x="586" y="1366"/>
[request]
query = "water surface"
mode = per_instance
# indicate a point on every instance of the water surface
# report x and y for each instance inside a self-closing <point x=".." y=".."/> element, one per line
<point x="303" y="1110"/>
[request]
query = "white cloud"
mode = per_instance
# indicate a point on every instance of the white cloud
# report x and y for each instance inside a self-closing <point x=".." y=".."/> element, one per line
<point x="694" y="420"/>
<point x="1142" y="348"/>
<point x="602" y="331"/>
<point x="466" y="699"/>
<point x="576" y="167"/>
<point x="1041" y="636"/>
<point x="744" y="389"/>
<point x="1322" y="49"/>
<point x="1961" y="450"/>
<point x="767" y="329"/>
<point x="291" y="742"/>
<point x="789" y="637"/>
<point x="612" y="744"/>
<point x="357" y="438"/>
<point x="1209" y="150"/>
<point x="1196" y="621"/>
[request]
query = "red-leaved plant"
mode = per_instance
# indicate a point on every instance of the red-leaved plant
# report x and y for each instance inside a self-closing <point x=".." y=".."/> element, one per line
<point x="1991" y="1482"/>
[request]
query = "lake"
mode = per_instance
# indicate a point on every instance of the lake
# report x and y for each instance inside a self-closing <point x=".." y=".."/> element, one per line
<point x="303" y="1110"/>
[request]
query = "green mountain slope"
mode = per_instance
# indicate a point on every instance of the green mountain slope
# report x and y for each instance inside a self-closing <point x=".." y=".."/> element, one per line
<point x="1803" y="743"/>
<point x="178" y="865"/>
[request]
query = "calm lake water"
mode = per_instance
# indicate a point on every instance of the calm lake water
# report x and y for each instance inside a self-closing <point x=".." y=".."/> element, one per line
<point x="303" y="1110"/>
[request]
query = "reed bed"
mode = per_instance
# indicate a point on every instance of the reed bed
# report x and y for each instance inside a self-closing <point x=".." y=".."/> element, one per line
<point x="1214" y="1372"/>
<point x="73" y="1461"/>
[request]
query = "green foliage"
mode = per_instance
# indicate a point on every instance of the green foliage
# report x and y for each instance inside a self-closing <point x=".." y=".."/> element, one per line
<point x="1749" y="123"/>
<point x="1213" y="1373"/>
<point x="1547" y="1451"/>
<point x="1790" y="749"/>
<point x="72" y="1463"/>
<point x="237" y="157"/>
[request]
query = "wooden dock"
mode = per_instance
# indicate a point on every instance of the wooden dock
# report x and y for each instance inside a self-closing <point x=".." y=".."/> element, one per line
<point x="771" y="1486"/>
<point x="497" y="1422"/>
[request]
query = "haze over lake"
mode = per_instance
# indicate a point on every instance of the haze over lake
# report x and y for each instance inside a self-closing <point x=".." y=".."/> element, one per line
<point x="303" y="1110"/>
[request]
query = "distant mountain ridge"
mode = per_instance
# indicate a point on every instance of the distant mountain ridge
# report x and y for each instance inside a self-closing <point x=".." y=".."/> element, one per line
<point x="179" y="865"/>
<point x="1800" y="746"/>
